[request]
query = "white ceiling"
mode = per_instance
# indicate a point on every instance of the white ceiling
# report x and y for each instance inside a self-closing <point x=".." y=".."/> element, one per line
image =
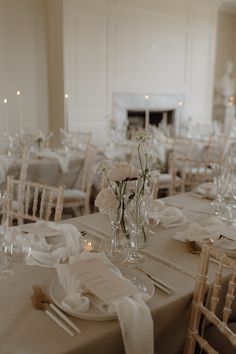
<point x="229" y="6"/>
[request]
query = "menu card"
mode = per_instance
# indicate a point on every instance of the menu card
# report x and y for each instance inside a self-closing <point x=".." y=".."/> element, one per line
<point x="101" y="281"/>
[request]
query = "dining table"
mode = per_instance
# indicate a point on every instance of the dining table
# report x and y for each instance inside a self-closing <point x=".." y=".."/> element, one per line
<point x="50" y="167"/>
<point x="24" y="330"/>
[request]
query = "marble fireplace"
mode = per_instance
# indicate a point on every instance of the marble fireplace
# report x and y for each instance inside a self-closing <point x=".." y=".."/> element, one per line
<point x="142" y="110"/>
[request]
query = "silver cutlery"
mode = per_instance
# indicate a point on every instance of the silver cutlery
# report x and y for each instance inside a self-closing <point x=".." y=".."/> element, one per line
<point x="159" y="283"/>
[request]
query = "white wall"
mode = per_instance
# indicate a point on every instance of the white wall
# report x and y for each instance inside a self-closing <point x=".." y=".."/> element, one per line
<point x="23" y="64"/>
<point x="225" y="52"/>
<point x="54" y="17"/>
<point x="137" y="46"/>
<point x="226" y="43"/>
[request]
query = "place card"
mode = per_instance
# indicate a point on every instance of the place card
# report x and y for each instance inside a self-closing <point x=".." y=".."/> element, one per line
<point x="101" y="281"/>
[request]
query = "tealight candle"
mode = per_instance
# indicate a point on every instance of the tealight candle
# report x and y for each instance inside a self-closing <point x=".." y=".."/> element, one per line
<point x="88" y="246"/>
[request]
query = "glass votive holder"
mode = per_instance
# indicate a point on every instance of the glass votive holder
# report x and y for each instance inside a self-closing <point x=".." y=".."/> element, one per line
<point x="90" y="244"/>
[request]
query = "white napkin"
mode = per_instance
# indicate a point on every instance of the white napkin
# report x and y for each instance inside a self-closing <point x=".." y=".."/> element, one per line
<point x="167" y="216"/>
<point x="207" y="190"/>
<point x="63" y="160"/>
<point x="48" y="251"/>
<point x="197" y="233"/>
<point x="133" y="313"/>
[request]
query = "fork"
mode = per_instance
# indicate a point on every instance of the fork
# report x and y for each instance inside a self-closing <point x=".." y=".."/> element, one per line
<point x="38" y="305"/>
<point x="44" y="299"/>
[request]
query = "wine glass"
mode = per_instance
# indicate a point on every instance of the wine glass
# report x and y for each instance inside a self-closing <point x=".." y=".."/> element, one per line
<point x="14" y="250"/>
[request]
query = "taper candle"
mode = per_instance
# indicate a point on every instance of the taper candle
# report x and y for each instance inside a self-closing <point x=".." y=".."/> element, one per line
<point x="66" y="113"/>
<point x="18" y="93"/>
<point x="6" y="115"/>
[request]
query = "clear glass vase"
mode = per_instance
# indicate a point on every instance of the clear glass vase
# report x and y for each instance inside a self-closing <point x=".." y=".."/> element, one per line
<point x="136" y="217"/>
<point x="116" y="248"/>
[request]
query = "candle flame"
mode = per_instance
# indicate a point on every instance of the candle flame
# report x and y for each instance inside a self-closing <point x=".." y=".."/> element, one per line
<point x="5" y="100"/>
<point x="66" y="95"/>
<point x="18" y="93"/>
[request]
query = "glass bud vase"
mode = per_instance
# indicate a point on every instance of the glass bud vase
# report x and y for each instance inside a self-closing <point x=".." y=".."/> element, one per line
<point x="136" y="215"/>
<point x="116" y="248"/>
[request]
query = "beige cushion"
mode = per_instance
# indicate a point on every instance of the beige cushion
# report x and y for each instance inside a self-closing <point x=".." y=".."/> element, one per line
<point x="165" y="178"/>
<point x="73" y="195"/>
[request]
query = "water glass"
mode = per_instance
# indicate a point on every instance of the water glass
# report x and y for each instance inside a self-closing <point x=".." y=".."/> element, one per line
<point x="14" y="250"/>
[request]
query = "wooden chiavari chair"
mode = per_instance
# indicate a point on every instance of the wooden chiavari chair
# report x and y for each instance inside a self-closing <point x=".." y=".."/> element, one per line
<point x="78" y="197"/>
<point x="34" y="201"/>
<point x="191" y="172"/>
<point x="217" y="335"/>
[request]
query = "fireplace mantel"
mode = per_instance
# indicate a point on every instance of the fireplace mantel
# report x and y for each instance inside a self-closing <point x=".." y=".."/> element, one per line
<point x="124" y="102"/>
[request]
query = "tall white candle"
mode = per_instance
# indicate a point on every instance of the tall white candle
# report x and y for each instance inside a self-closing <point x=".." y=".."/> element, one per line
<point x="18" y="93"/>
<point x="66" y="113"/>
<point x="6" y="115"/>
<point x="146" y="112"/>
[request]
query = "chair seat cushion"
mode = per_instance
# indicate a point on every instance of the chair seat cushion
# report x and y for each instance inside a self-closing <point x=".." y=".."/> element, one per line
<point x="218" y="341"/>
<point x="166" y="178"/>
<point x="73" y="195"/>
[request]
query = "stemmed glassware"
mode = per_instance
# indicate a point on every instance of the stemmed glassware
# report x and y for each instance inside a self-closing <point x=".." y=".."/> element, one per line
<point x="225" y="202"/>
<point x="14" y="247"/>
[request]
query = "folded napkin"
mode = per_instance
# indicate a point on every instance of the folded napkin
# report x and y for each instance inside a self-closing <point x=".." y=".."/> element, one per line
<point x="63" y="160"/>
<point x="210" y="228"/>
<point x="167" y="216"/>
<point x="207" y="190"/>
<point x="133" y="313"/>
<point x="197" y="233"/>
<point x="48" y="251"/>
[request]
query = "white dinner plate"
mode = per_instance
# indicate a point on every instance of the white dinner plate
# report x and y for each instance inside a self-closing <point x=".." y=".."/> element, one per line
<point x="139" y="279"/>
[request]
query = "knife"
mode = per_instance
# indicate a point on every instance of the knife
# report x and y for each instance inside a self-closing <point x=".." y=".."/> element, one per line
<point x="159" y="283"/>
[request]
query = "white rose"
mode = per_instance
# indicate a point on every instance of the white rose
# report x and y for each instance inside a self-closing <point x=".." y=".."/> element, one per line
<point x="106" y="200"/>
<point x="121" y="171"/>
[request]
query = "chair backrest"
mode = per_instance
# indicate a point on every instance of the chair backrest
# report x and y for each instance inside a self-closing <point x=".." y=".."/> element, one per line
<point x="192" y="172"/>
<point x="209" y="309"/>
<point x="24" y="164"/>
<point x="87" y="175"/>
<point x="33" y="201"/>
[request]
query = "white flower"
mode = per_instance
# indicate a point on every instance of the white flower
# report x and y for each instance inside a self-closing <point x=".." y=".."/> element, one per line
<point x="122" y="171"/>
<point x="102" y="166"/>
<point x="142" y="136"/>
<point x="106" y="200"/>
